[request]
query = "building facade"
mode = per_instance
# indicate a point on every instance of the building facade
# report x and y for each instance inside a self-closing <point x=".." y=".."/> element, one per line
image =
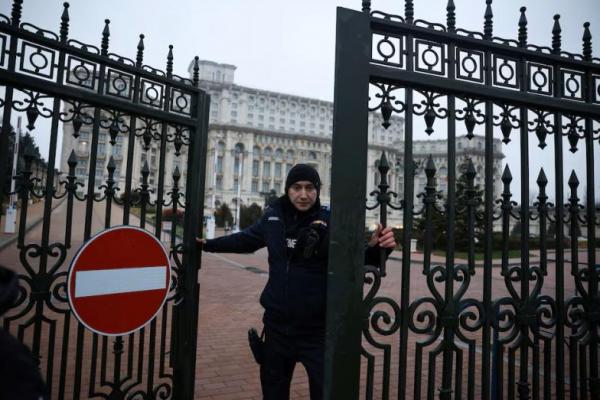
<point x="256" y="136"/>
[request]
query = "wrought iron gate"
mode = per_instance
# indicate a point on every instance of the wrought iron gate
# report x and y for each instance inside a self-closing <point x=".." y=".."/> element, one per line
<point x="500" y="328"/>
<point x="134" y="144"/>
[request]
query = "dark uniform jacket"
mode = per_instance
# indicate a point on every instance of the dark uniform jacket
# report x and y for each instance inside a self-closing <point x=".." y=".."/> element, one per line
<point x="294" y="297"/>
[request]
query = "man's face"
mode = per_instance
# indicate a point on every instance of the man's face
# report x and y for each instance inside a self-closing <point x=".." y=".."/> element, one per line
<point x="303" y="195"/>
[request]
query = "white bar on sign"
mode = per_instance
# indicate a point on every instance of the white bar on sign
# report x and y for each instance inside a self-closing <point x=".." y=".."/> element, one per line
<point x="123" y="280"/>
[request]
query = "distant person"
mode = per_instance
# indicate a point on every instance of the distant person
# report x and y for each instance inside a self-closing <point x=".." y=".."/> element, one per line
<point x="20" y="377"/>
<point x="295" y="230"/>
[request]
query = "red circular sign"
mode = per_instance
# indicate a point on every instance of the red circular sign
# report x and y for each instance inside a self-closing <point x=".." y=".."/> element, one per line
<point x="119" y="280"/>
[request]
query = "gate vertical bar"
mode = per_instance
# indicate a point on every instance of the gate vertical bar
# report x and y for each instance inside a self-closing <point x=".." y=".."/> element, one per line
<point x="594" y="378"/>
<point x="184" y="368"/>
<point x="559" y="218"/>
<point x="407" y="223"/>
<point x="349" y="163"/>
<point x="489" y="228"/>
<point x="523" y="384"/>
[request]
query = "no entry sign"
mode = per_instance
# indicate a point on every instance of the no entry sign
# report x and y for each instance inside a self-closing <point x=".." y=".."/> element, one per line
<point x="119" y="280"/>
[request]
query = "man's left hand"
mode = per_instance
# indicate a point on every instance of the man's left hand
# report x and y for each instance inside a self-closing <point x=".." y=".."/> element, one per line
<point x="384" y="237"/>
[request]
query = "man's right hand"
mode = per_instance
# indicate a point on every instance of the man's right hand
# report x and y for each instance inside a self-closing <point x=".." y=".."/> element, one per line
<point x="200" y="241"/>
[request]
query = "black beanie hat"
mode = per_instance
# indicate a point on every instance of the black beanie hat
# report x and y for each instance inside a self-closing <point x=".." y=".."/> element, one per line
<point x="303" y="172"/>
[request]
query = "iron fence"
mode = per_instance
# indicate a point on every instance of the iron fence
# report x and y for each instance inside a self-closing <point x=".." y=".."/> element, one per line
<point x="449" y="326"/>
<point x="138" y="109"/>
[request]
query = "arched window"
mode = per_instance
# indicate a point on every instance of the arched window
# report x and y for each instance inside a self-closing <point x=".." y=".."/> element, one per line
<point x="312" y="155"/>
<point x="290" y="154"/>
<point x="267" y="152"/>
<point x="279" y="154"/>
<point x="256" y="151"/>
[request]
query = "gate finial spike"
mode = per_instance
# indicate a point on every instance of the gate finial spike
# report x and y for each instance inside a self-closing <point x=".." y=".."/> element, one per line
<point x="145" y="170"/>
<point x="470" y="172"/>
<point x="587" y="42"/>
<point x="72" y="161"/>
<point x="105" y="36"/>
<point x="488" y="21"/>
<point x="506" y="175"/>
<point x="556" y="39"/>
<point x="384" y="165"/>
<point x="170" y="62"/>
<point x="176" y="174"/>
<point x="573" y="181"/>
<point x="366" y="6"/>
<point x="16" y="13"/>
<point x="196" y="73"/>
<point x="64" y="23"/>
<point x="451" y="16"/>
<point x="523" y="28"/>
<point x="409" y="11"/>
<point x="542" y="180"/>
<point x="430" y="167"/>
<point x="111" y="165"/>
<point x="139" y="58"/>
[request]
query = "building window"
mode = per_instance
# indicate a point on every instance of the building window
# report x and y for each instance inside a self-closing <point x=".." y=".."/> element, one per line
<point x="312" y="155"/>
<point x="267" y="169"/>
<point x="267" y="152"/>
<point x="278" y="170"/>
<point x="287" y="168"/>
<point x="219" y="183"/>
<point x="290" y="155"/>
<point x="279" y="154"/>
<point x="278" y="187"/>
<point x="219" y="164"/>
<point x="254" y="186"/>
<point x="255" y="167"/>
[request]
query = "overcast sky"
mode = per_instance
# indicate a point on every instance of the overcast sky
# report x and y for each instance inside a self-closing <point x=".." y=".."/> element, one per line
<point x="285" y="46"/>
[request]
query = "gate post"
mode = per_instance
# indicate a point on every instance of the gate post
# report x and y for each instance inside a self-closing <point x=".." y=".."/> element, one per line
<point x="186" y="319"/>
<point x="349" y="163"/>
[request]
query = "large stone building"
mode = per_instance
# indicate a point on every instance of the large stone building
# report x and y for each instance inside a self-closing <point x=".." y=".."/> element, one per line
<point x="255" y="136"/>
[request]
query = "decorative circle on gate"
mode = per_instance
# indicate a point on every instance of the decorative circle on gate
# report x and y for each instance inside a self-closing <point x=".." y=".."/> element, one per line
<point x="181" y="102"/>
<point x="386" y="48"/>
<point x="430" y="58"/>
<point x="469" y="64"/>
<point x="540" y="79"/>
<point x="152" y="94"/>
<point x="38" y="60"/>
<point x="119" y="84"/>
<point x="506" y="71"/>
<point x="119" y="280"/>
<point x="572" y="85"/>
<point x="81" y="73"/>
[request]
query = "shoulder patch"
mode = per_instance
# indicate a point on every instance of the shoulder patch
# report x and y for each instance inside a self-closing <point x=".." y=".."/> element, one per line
<point x="273" y="218"/>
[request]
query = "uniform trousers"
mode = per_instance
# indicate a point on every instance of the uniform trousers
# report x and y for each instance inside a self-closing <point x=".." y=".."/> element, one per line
<point x="281" y="353"/>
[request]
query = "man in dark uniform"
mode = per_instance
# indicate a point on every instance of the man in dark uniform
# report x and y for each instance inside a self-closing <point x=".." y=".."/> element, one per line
<point x="295" y="230"/>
